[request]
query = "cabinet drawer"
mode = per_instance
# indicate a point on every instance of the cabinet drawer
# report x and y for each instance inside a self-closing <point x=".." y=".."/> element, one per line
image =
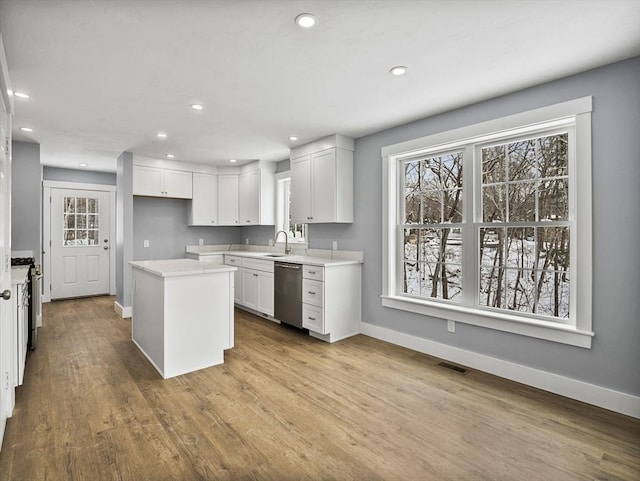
<point x="257" y="264"/>
<point x="217" y="258"/>
<point x="313" y="318"/>
<point x="233" y="261"/>
<point x="313" y="292"/>
<point x="313" y="272"/>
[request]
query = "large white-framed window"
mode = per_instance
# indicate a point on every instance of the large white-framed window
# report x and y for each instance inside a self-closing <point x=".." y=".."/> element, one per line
<point x="297" y="233"/>
<point x="490" y="224"/>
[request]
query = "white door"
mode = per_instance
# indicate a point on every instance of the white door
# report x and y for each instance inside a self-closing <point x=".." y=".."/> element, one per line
<point x="7" y="341"/>
<point x="79" y="243"/>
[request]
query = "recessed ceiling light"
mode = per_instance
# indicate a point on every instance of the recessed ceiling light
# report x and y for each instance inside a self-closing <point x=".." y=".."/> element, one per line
<point x="10" y="92"/>
<point x="233" y="161"/>
<point x="399" y="70"/>
<point x="292" y="138"/>
<point x="306" y="20"/>
<point x="83" y="164"/>
<point x="197" y="107"/>
<point x="26" y="129"/>
<point x="170" y="156"/>
<point x="161" y="135"/>
<point x="22" y="95"/>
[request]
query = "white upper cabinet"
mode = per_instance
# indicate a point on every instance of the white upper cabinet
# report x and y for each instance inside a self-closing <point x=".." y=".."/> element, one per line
<point x="249" y="199"/>
<point x="257" y="195"/>
<point x="204" y="206"/>
<point x="228" y="199"/>
<point x="159" y="182"/>
<point x="322" y="181"/>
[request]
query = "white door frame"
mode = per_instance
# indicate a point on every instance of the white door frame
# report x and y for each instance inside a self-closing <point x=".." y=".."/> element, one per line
<point x="47" y="185"/>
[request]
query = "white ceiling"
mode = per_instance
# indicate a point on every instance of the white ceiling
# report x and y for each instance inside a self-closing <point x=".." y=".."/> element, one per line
<point x="105" y="75"/>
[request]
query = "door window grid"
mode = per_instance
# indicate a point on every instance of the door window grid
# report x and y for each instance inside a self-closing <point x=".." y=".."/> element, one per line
<point x="81" y="221"/>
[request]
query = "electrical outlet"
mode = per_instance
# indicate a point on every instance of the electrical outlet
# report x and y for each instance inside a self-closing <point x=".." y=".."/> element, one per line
<point x="200" y="242"/>
<point x="246" y="241"/>
<point x="145" y="243"/>
<point x="335" y="245"/>
<point x="451" y="326"/>
<point x="270" y="242"/>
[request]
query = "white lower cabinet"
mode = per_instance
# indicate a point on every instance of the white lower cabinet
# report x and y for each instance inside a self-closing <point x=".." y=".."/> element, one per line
<point x="253" y="283"/>
<point x="20" y="321"/>
<point x="331" y="306"/>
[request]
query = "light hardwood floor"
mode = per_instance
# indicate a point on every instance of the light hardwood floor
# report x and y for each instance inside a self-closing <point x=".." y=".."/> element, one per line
<point x="287" y="407"/>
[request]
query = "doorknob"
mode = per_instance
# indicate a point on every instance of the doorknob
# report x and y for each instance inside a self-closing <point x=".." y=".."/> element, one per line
<point x="6" y="294"/>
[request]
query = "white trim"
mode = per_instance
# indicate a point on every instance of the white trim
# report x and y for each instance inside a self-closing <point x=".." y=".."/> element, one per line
<point x="579" y="331"/>
<point x="47" y="185"/>
<point x="58" y="184"/>
<point x="603" y="397"/>
<point x="490" y="127"/>
<point x="122" y="311"/>
<point x="501" y="321"/>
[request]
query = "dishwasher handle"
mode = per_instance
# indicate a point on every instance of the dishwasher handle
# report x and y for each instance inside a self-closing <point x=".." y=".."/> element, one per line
<point x="287" y="265"/>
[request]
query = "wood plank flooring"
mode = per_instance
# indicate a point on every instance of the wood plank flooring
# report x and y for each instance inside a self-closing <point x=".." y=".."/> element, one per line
<point x="287" y="407"/>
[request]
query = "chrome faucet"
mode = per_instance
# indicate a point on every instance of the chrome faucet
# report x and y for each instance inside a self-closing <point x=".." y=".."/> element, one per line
<point x="287" y="249"/>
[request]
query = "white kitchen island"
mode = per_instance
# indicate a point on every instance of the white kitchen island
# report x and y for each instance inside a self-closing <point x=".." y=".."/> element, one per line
<point x="182" y="313"/>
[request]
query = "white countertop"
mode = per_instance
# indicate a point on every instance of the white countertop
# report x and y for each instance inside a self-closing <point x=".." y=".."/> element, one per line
<point x="202" y="252"/>
<point x="19" y="274"/>
<point x="180" y="267"/>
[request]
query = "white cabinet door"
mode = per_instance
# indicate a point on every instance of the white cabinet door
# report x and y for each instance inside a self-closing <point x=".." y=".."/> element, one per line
<point x="156" y="182"/>
<point x="249" y="198"/>
<point x="237" y="276"/>
<point x="323" y="186"/>
<point x="301" y="189"/>
<point x="178" y="184"/>
<point x="147" y="181"/>
<point x="250" y="283"/>
<point x="228" y="199"/>
<point x="204" y="206"/>
<point x="265" y="293"/>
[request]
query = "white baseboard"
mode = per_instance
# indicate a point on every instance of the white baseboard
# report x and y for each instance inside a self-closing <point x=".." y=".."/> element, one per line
<point x="122" y="311"/>
<point x="589" y="393"/>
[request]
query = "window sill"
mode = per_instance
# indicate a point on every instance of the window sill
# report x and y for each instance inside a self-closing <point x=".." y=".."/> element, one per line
<point x="502" y="322"/>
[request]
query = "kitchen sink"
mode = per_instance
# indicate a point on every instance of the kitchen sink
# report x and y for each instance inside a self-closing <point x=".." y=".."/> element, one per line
<point x="276" y="255"/>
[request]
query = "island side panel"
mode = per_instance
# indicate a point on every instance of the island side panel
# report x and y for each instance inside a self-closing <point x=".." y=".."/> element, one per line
<point x="197" y="328"/>
<point x="147" y="321"/>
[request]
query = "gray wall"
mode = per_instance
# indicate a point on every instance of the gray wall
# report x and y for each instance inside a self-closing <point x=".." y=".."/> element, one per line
<point x="614" y="358"/>
<point x="163" y="222"/>
<point x="79" y="176"/>
<point x="258" y="234"/>
<point x="124" y="227"/>
<point x="26" y="199"/>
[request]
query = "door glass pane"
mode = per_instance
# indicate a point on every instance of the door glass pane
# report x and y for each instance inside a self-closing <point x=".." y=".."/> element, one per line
<point x="81" y="221"/>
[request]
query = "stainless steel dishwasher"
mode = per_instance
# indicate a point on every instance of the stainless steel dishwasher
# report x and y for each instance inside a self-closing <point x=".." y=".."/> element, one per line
<point x="288" y="293"/>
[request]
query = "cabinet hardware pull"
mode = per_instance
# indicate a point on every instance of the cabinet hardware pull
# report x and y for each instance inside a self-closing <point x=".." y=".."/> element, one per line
<point x="312" y="272"/>
<point x="312" y="318"/>
<point x="312" y="293"/>
<point x="255" y="275"/>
